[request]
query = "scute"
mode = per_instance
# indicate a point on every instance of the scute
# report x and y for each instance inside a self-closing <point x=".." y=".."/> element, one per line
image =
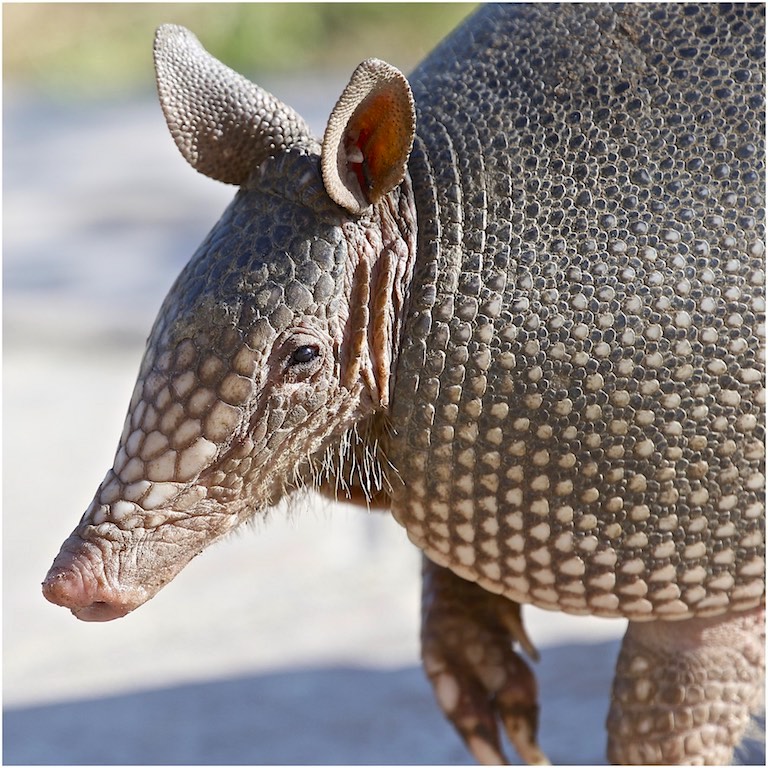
<point x="598" y="277"/>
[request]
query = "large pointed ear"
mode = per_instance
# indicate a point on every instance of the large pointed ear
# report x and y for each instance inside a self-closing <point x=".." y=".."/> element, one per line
<point x="223" y="124"/>
<point x="369" y="136"/>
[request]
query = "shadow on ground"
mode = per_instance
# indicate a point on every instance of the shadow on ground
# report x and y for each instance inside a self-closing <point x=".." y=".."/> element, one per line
<point x="322" y="716"/>
<point x="316" y="716"/>
<point x="337" y="715"/>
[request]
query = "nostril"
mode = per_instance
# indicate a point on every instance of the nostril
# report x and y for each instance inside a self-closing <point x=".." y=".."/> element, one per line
<point x="87" y="578"/>
<point x="73" y="586"/>
<point x="66" y="588"/>
<point x="59" y="588"/>
<point x="69" y="586"/>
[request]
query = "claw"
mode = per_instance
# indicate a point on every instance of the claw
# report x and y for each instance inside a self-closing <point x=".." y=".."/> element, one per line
<point x="478" y="679"/>
<point x="513" y="623"/>
<point x="465" y="703"/>
<point x="519" y="710"/>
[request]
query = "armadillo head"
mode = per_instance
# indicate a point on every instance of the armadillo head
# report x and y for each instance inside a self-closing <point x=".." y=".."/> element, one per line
<point x="275" y="340"/>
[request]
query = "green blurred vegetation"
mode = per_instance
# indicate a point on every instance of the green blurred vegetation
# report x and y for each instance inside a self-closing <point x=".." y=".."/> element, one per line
<point x="104" y="47"/>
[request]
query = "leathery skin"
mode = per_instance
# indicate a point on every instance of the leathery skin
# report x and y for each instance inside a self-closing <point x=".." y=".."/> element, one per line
<point x="520" y="302"/>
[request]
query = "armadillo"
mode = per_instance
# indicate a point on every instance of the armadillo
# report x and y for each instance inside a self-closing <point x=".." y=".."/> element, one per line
<point x="517" y="299"/>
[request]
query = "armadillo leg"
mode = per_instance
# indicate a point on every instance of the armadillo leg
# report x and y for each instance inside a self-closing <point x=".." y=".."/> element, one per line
<point x="684" y="690"/>
<point x="478" y="679"/>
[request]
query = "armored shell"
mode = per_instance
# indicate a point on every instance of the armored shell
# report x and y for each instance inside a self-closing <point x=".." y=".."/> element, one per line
<point x="541" y="342"/>
<point x="579" y="394"/>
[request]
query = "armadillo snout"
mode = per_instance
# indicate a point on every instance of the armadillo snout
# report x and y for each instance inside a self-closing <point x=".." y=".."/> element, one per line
<point x="66" y="588"/>
<point x="76" y="581"/>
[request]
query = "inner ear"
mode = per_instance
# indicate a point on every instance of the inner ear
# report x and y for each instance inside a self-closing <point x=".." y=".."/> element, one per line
<point x="369" y="136"/>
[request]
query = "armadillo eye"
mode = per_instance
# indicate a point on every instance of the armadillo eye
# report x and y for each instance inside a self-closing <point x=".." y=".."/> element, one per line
<point x="304" y="354"/>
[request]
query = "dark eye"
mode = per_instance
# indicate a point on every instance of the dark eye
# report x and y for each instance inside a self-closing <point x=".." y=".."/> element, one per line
<point x="304" y="354"/>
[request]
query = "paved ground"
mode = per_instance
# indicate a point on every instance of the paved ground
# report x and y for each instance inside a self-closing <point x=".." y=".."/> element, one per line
<point x="292" y="642"/>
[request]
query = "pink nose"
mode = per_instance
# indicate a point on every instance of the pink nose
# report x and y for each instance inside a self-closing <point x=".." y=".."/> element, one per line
<point x="77" y="580"/>
<point x="70" y="588"/>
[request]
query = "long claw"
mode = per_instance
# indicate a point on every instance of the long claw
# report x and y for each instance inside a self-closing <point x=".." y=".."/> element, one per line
<point x="478" y="679"/>
<point x="518" y="710"/>
<point x="465" y="703"/>
<point x="513" y="622"/>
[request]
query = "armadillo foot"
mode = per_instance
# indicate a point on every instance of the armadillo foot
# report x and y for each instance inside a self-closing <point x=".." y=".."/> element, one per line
<point x="684" y="690"/>
<point x="478" y="679"/>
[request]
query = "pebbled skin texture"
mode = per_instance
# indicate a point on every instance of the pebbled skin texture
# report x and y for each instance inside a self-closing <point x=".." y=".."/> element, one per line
<point x="579" y="401"/>
<point x="701" y="690"/>
<point x="544" y="349"/>
<point x="227" y="108"/>
<point x="579" y="392"/>
<point x="477" y="677"/>
<point x="223" y="422"/>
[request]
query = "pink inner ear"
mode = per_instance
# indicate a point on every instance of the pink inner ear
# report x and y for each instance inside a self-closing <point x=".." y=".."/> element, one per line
<point x="378" y="144"/>
<point x="357" y="151"/>
<point x="368" y="137"/>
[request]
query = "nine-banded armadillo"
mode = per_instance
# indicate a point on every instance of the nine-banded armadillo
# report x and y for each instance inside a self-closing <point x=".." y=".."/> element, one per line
<point x="520" y="305"/>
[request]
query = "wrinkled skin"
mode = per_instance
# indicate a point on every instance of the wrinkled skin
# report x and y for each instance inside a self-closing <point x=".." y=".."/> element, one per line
<point x="698" y="685"/>
<point x="467" y="639"/>
<point x="308" y="343"/>
<point x="254" y="363"/>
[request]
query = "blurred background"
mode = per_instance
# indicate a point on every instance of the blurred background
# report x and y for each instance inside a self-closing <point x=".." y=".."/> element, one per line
<point x="100" y="49"/>
<point x="295" y="641"/>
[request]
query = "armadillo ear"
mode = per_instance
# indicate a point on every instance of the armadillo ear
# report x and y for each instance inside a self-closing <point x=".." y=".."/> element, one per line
<point x="223" y="124"/>
<point x="369" y="136"/>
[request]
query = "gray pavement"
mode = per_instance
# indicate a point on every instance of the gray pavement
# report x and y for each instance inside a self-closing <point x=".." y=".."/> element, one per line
<point x="294" y="641"/>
